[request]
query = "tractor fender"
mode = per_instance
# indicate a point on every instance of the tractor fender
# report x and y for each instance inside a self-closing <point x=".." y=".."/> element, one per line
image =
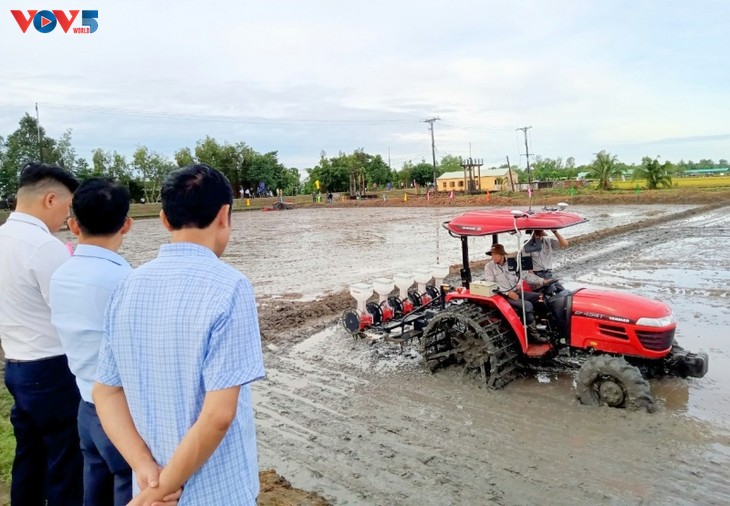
<point x="500" y="304"/>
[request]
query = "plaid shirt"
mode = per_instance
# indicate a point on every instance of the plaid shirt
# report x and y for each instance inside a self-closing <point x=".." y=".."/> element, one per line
<point x="179" y="326"/>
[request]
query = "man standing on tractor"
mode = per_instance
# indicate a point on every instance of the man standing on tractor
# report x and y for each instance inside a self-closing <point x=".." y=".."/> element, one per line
<point x="510" y="287"/>
<point x="541" y="249"/>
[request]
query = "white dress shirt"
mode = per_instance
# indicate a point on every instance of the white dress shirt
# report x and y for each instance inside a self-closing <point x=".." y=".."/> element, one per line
<point x="29" y="255"/>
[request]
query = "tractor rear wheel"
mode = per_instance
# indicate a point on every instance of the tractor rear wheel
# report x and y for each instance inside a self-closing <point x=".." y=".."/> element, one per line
<point x="475" y="337"/>
<point x="614" y="382"/>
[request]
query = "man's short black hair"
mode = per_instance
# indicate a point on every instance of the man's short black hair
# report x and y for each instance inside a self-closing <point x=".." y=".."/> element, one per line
<point x="34" y="173"/>
<point x="100" y="206"/>
<point x="193" y="196"/>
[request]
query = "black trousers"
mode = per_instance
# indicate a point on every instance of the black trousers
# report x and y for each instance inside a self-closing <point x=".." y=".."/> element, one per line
<point x="548" y="274"/>
<point x="48" y="465"/>
<point x="530" y="299"/>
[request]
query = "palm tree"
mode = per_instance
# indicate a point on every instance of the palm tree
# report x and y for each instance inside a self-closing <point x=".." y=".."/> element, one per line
<point x="656" y="175"/>
<point x="604" y="169"/>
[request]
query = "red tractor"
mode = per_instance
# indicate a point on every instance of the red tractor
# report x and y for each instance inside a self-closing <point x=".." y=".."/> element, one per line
<point x="616" y="340"/>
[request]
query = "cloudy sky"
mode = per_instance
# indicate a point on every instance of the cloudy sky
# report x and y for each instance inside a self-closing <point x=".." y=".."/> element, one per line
<point x="303" y="76"/>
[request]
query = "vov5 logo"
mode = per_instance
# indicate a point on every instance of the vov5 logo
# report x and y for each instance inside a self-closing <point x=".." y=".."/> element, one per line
<point x="45" y="21"/>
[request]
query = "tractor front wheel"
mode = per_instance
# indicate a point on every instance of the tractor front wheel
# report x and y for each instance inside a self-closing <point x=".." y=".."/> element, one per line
<point x="614" y="382"/>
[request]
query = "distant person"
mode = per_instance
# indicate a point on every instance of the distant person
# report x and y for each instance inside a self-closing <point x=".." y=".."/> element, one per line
<point x="47" y="468"/>
<point x="510" y="287"/>
<point x="181" y="346"/>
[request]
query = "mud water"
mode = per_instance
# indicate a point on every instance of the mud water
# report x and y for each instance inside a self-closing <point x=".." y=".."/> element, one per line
<point x="366" y="424"/>
<point x="307" y="253"/>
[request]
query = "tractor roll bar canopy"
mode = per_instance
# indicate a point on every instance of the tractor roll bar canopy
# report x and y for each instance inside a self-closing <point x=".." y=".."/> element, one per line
<point x="497" y="221"/>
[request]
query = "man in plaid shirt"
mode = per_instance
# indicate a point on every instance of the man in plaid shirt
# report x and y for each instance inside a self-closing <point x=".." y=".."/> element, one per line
<point x="181" y="346"/>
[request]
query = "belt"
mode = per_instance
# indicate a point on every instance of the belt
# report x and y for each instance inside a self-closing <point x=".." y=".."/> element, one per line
<point x="36" y="361"/>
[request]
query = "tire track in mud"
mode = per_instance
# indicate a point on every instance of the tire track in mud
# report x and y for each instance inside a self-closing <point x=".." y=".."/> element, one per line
<point x="367" y="424"/>
<point x="405" y="436"/>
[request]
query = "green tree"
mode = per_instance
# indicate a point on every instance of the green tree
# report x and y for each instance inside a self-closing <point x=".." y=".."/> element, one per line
<point x="265" y="168"/>
<point x="604" y="169"/>
<point x="111" y="164"/>
<point x="290" y="181"/>
<point x="65" y="153"/>
<point x="152" y="167"/>
<point x="333" y="174"/>
<point x="547" y="169"/>
<point x="376" y="170"/>
<point x="403" y="176"/>
<point x="184" y="157"/>
<point x="422" y="173"/>
<point x="656" y="175"/>
<point x="233" y="160"/>
<point x="224" y="157"/>
<point x="450" y="163"/>
<point x="22" y="147"/>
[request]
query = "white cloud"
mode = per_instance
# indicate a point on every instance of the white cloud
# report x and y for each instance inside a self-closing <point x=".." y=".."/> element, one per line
<point x="302" y="77"/>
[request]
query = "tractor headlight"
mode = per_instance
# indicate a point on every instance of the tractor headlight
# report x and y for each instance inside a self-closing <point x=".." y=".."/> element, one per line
<point x="664" y="321"/>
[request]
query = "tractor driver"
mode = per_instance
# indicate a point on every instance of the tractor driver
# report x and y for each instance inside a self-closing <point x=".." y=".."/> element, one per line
<point x="510" y="287"/>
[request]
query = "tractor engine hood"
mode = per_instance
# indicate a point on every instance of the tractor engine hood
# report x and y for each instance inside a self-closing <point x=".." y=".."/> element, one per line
<point x="621" y="307"/>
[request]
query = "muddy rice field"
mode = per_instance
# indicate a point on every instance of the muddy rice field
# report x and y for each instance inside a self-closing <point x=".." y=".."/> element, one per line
<point x="365" y="423"/>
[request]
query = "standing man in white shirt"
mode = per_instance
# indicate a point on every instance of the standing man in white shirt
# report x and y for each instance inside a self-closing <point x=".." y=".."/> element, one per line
<point x="48" y="462"/>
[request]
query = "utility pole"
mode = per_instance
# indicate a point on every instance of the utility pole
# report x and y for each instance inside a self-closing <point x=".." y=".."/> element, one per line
<point x="469" y="165"/>
<point x="527" y="156"/>
<point x="40" y="140"/>
<point x="433" y="148"/>
<point x="509" y="171"/>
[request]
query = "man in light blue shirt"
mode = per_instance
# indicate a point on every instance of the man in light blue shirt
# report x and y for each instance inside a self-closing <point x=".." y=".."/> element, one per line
<point x="79" y="292"/>
<point x="181" y="346"/>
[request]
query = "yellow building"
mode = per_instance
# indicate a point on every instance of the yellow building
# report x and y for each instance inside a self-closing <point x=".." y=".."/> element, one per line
<point x="484" y="180"/>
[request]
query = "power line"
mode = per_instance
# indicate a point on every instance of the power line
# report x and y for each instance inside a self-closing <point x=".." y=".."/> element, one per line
<point x="223" y="119"/>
